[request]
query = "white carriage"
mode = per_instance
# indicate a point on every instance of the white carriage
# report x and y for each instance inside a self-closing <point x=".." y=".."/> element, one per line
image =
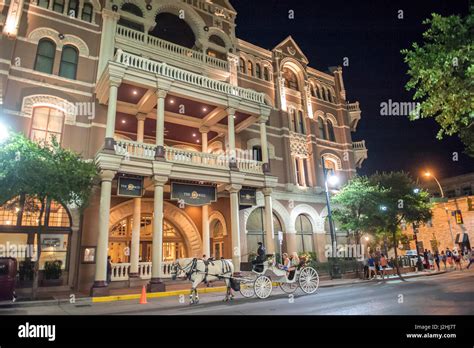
<point x="260" y="280"/>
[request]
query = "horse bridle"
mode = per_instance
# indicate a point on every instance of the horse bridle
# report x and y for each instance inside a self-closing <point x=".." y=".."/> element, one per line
<point x="191" y="265"/>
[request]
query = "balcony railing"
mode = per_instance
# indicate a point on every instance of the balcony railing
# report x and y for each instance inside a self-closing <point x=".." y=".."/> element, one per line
<point x="188" y="77"/>
<point x="360" y="152"/>
<point x="135" y="149"/>
<point x="170" y="48"/>
<point x="359" y="145"/>
<point x="353" y="106"/>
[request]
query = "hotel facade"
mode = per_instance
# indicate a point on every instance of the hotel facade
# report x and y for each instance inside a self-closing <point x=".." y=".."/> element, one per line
<point x="206" y="144"/>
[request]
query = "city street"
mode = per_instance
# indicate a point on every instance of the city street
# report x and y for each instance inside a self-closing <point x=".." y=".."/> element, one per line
<point x="444" y="294"/>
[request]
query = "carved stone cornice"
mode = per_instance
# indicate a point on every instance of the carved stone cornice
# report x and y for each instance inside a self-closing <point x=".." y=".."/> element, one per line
<point x="299" y="145"/>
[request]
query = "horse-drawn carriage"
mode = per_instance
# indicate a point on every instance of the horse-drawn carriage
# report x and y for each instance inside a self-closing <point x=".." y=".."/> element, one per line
<point x="259" y="281"/>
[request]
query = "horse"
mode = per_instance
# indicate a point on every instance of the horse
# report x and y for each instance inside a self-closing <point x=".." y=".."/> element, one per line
<point x="199" y="271"/>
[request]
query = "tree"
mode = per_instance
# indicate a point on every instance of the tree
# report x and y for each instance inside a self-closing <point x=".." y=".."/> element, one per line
<point x="400" y="201"/>
<point x="43" y="172"/>
<point x="442" y="73"/>
<point x="355" y="205"/>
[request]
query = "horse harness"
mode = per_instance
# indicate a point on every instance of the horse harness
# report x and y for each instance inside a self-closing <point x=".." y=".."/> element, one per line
<point x="193" y="269"/>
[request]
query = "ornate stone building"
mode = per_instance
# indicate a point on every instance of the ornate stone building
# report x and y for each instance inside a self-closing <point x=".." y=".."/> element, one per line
<point x="206" y="144"/>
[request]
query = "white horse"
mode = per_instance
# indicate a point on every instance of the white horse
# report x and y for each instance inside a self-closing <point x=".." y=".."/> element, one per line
<point x="199" y="271"/>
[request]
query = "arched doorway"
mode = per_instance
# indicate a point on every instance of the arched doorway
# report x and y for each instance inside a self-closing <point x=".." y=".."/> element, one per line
<point x="174" y="244"/>
<point x="171" y="28"/>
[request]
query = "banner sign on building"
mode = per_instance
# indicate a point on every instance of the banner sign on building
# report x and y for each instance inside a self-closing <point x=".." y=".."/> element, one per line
<point x="129" y="186"/>
<point x="196" y="195"/>
<point x="248" y="197"/>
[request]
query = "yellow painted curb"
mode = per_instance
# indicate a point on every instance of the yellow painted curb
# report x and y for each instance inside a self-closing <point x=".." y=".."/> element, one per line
<point x="155" y="294"/>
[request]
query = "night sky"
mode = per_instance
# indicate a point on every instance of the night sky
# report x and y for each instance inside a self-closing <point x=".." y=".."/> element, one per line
<point x="370" y="34"/>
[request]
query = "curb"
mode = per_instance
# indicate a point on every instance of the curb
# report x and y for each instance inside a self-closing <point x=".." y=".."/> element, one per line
<point x="113" y="298"/>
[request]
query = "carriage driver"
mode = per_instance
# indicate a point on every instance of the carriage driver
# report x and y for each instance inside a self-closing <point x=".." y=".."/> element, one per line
<point x="261" y="253"/>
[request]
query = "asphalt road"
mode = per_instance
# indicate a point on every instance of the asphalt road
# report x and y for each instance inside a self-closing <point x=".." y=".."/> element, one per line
<point x="445" y="294"/>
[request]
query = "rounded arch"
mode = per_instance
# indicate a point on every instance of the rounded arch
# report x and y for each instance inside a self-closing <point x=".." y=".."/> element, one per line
<point x="318" y="113"/>
<point x="332" y="118"/>
<point x="308" y="211"/>
<point x="214" y="31"/>
<point x="180" y="9"/>
<point x="217" y="215"/>
<point x="333" y="158"/>
<point x="52" y="101"/>
<point x="135" y="8"/>
<point x="215" y="147"/>
<point x="173" y="214"/>
<point x="256" y="142"/>
<point x="296" y="67"/>
<point x="40" y="33"/>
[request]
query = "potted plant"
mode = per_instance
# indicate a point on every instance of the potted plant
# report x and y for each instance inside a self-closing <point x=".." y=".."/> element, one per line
<point x="52" y="273"/>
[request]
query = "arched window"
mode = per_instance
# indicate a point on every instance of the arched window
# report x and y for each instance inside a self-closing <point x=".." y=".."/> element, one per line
<point x="266" y="73"/>
<point x="45" y="56"/>
<point x="19" y="225"/>
<point x="330" y="165"/>
<point x="217" y="240"/>
<point x="291" y="81"/>
<point x="321" y="129"/>
<point x="46" y="123"/>
<point x="313" y="91"/>
<point x="242" y="65"/>
<point x="134" y="10"/>
<point x="43" y="3"/>
<point x="326" y="94"/>
<point x="69" y="59"/>
<point x="304" y="234"/>
<point x="318" y="92"/>
<point x="258" y="71"/>
<point x="256" y="231"/>
<point x="217" y="40"/>
<point x="331" y="135"/>
<point x="58" y="6"/>
<point x="172" y="28"/>
<point x="293" y="120"/>
<point x="250" y="68"/>
<point x="87" y="11"/>
<point x="73" y="8"/>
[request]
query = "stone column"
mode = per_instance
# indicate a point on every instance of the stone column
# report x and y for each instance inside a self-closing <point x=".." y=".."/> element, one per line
<point x="160" y="124"/>
<point x="269" y="237"/>
<point x="234" y="219"/>
<point x="264" y="144"/>
<point x="204" y="130"/>
<point x="100" y="280"/>
<point x="157" y="254"/>
<point x="206" y="247"/>
<point x="114" y="84"/>
<point x="141" y="117"/>
<point x="231" y="137"/>
<point x="109" y="26"/>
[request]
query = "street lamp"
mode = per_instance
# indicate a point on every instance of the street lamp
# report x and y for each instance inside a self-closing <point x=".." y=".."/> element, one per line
<point x="430" y="175"/>
<point x="331" y="179"/>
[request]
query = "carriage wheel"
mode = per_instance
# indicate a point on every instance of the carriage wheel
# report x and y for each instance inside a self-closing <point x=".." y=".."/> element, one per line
<point x="289" y="288"/>
<point x="247" y="287"/>
<point x="263" y="286"/>
<point x="308" y="280"/>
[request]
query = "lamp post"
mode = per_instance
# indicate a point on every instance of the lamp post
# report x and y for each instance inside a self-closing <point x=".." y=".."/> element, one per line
<point x="430" y="175"/>
<point x="333" y="180"/>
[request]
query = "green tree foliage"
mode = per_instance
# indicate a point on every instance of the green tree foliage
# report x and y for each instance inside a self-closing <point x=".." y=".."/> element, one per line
<point x="399" y="202"/>
<point x="43" y="172"/>
<point x="441" y="72"/>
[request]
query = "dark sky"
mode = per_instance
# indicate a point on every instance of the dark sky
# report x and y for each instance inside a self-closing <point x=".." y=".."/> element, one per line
<point x="370" y="34"/>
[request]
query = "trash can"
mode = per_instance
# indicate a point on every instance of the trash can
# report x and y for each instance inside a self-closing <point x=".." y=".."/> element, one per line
<point x="7" y="278"/>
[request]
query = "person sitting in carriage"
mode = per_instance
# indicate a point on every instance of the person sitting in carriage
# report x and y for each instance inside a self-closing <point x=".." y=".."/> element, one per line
<point x="295" y="263"/>
<point x="286" y="262"/>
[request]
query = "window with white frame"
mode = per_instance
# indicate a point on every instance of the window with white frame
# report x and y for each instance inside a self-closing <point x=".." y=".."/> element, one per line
<point x="46" y="123"/>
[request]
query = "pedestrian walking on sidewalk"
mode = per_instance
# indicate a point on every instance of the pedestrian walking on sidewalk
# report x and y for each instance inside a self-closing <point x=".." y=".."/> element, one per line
<point x="457" y="259"/>
<point x="443" y="258"/>
<point x="109" y="269"/>
<point x="449" y="257"/>
<point x="425" y="257"/>
<point x="383" y="265"/>
<point x="436" y="258"/>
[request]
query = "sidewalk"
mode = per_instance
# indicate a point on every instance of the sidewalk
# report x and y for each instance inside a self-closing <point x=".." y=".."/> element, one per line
<point x="183" y="288"/>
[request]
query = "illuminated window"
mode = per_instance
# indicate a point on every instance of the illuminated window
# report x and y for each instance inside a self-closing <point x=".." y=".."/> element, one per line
<point x="291" y="81"/>
<point x="45" y="56"/>
<point x="250" y="68"/>
<point x="43" y="3"/>
<point x="266" y="74"/>
<point x="242" y="66"/>
<point x="46" y="123"/>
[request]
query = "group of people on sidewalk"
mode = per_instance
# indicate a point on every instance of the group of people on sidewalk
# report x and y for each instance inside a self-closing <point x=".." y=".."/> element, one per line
<point x="376" y="264"/>
<point x="453" y="258"/>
